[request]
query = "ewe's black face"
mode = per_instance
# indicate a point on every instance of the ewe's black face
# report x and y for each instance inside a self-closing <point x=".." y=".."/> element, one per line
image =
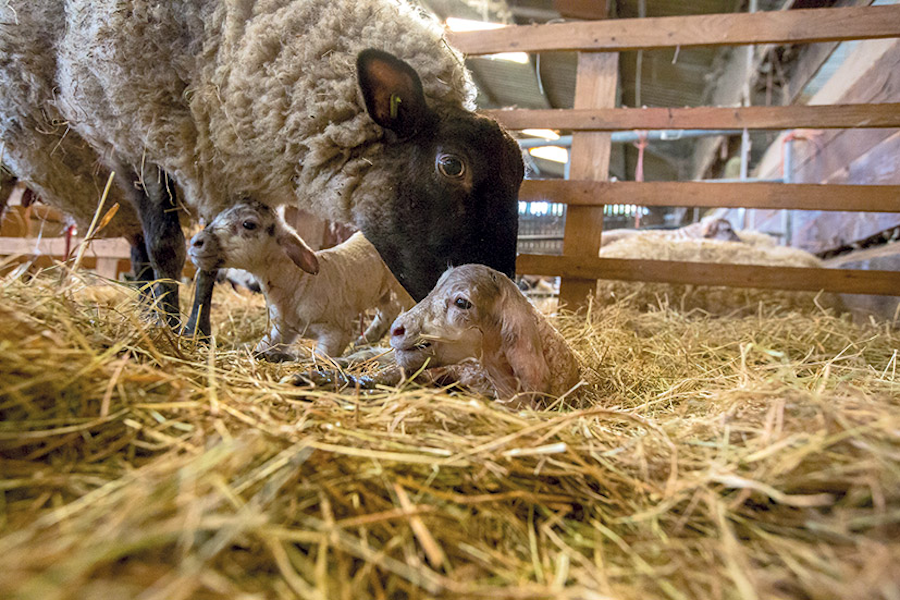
<point x="455" y="199"/>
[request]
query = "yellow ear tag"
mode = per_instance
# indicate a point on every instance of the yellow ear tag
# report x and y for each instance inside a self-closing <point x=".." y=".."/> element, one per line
<point x="395" y="103"/>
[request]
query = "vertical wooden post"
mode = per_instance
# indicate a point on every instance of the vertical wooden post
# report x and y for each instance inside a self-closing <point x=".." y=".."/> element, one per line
<point x="595" y="87"/>
<point x="107" y="267"/>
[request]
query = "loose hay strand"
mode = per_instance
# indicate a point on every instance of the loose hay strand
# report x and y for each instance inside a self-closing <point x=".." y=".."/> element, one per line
<point x="92" y="228"/>
<point x="749" y="456"/>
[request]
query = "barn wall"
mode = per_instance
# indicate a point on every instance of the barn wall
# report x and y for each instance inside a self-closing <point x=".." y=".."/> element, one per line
<point x="871" y="73"/>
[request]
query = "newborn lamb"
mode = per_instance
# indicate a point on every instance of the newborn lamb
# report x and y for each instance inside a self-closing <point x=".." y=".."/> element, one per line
<point x="316" y="295"/>
<point x="478" y="313"/>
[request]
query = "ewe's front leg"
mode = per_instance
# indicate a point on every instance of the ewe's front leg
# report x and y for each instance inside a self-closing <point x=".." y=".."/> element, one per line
<point x="153" y="195"/>
<point x="140" y="264"/>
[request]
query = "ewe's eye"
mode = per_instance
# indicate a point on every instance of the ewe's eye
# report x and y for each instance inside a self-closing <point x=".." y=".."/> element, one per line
<point x="451" y="166"/>
<point x="249" y="225"/>
<point x="462" y="303"/>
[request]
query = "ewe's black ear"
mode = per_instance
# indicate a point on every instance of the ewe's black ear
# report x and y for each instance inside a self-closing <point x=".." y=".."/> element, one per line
<point x="392" y="91"/>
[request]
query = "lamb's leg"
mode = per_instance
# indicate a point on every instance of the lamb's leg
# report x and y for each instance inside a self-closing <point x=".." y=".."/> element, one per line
<point x="199" y="323"/>
<point x="386" y="311"/>
<point x="154" y="198"/>
<point x="333" y="342"/>
<point x="275" y="345"/>
<point x="328" y="378"/>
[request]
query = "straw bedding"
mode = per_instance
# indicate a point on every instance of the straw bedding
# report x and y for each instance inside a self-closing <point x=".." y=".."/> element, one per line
<point x="742" y="457"/>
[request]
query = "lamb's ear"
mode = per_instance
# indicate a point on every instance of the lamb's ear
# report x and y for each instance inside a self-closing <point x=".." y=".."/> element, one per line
<point x="392" y="91"/>
<point x="297" y="250"/>
<point x="522" y="344"/>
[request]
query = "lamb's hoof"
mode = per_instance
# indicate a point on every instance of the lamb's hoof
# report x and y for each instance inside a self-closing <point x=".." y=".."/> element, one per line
<point x="329" y="379"/>
<point x="276" y="356"/>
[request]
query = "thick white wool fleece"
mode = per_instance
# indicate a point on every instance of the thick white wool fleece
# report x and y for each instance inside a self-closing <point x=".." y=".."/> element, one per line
<point x="36" y="142"/>
<point x="236" y="97"/>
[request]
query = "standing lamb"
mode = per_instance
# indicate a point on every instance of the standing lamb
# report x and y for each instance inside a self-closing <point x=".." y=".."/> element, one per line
<point x="356" y="110"/>
<point x="346" y="280"/>
<point x="475" y="312"/>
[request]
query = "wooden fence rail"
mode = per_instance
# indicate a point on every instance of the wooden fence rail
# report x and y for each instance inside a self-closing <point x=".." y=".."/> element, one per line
<point x="702" y="194"/>
<point x="774" y="27"/>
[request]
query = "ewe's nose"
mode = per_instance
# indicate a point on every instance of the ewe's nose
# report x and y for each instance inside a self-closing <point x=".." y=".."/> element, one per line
<point x="398" y="331"/>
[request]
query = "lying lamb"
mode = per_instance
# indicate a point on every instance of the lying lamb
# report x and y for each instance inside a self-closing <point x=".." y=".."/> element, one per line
<point x="351" y="279"/>
<point x="477" y="313"/>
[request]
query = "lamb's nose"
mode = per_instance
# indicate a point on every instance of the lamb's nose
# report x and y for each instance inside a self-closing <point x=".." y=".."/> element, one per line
<point x="398" y="331"/>
<point x="197" y="242"/>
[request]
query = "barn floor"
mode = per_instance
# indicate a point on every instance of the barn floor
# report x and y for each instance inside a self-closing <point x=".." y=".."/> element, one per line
<point x="736" y="457"/>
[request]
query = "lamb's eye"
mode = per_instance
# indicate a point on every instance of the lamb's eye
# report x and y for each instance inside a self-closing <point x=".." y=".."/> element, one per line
<point x="462" y="303"/>
<point x="249" y="225"/>
<point x="451" y="166"/>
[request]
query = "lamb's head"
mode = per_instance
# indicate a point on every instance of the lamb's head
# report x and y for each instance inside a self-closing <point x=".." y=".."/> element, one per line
<point x="453" y="177"/>
<point x="447" y="326"/>
<point x="474" y="312"/>
<point x="720" y="229"/>
<point x="249" y="236"/>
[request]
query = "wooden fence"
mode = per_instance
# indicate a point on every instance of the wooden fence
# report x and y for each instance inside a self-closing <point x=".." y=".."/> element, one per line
<point x="37" y="235"/>
<point x="594" y="116"/>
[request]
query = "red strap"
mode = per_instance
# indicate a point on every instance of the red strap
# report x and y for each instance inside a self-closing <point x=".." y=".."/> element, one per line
<point x="70" y="231"/>
<point x="641" y="144"/>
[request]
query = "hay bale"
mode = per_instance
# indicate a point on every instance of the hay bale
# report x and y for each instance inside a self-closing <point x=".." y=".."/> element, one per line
<point x="717" y="300"/>
<point x="716" y="458"/>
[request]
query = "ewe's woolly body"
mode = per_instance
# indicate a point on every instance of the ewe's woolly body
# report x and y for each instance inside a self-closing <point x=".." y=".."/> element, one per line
<point x="232" y="97"/>
<point x="34" y="134"/>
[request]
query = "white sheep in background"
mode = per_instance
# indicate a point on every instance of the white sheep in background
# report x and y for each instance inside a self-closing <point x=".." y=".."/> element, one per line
<point x="713" y="299"/>
<point x="709" y="229"/>
<point x="476" y="313"/>
<point x="356" y="110"/>
<point x="346" y="280"/>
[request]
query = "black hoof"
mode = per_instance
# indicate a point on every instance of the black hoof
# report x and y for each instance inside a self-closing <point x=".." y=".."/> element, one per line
<point x="193" y="330"/>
